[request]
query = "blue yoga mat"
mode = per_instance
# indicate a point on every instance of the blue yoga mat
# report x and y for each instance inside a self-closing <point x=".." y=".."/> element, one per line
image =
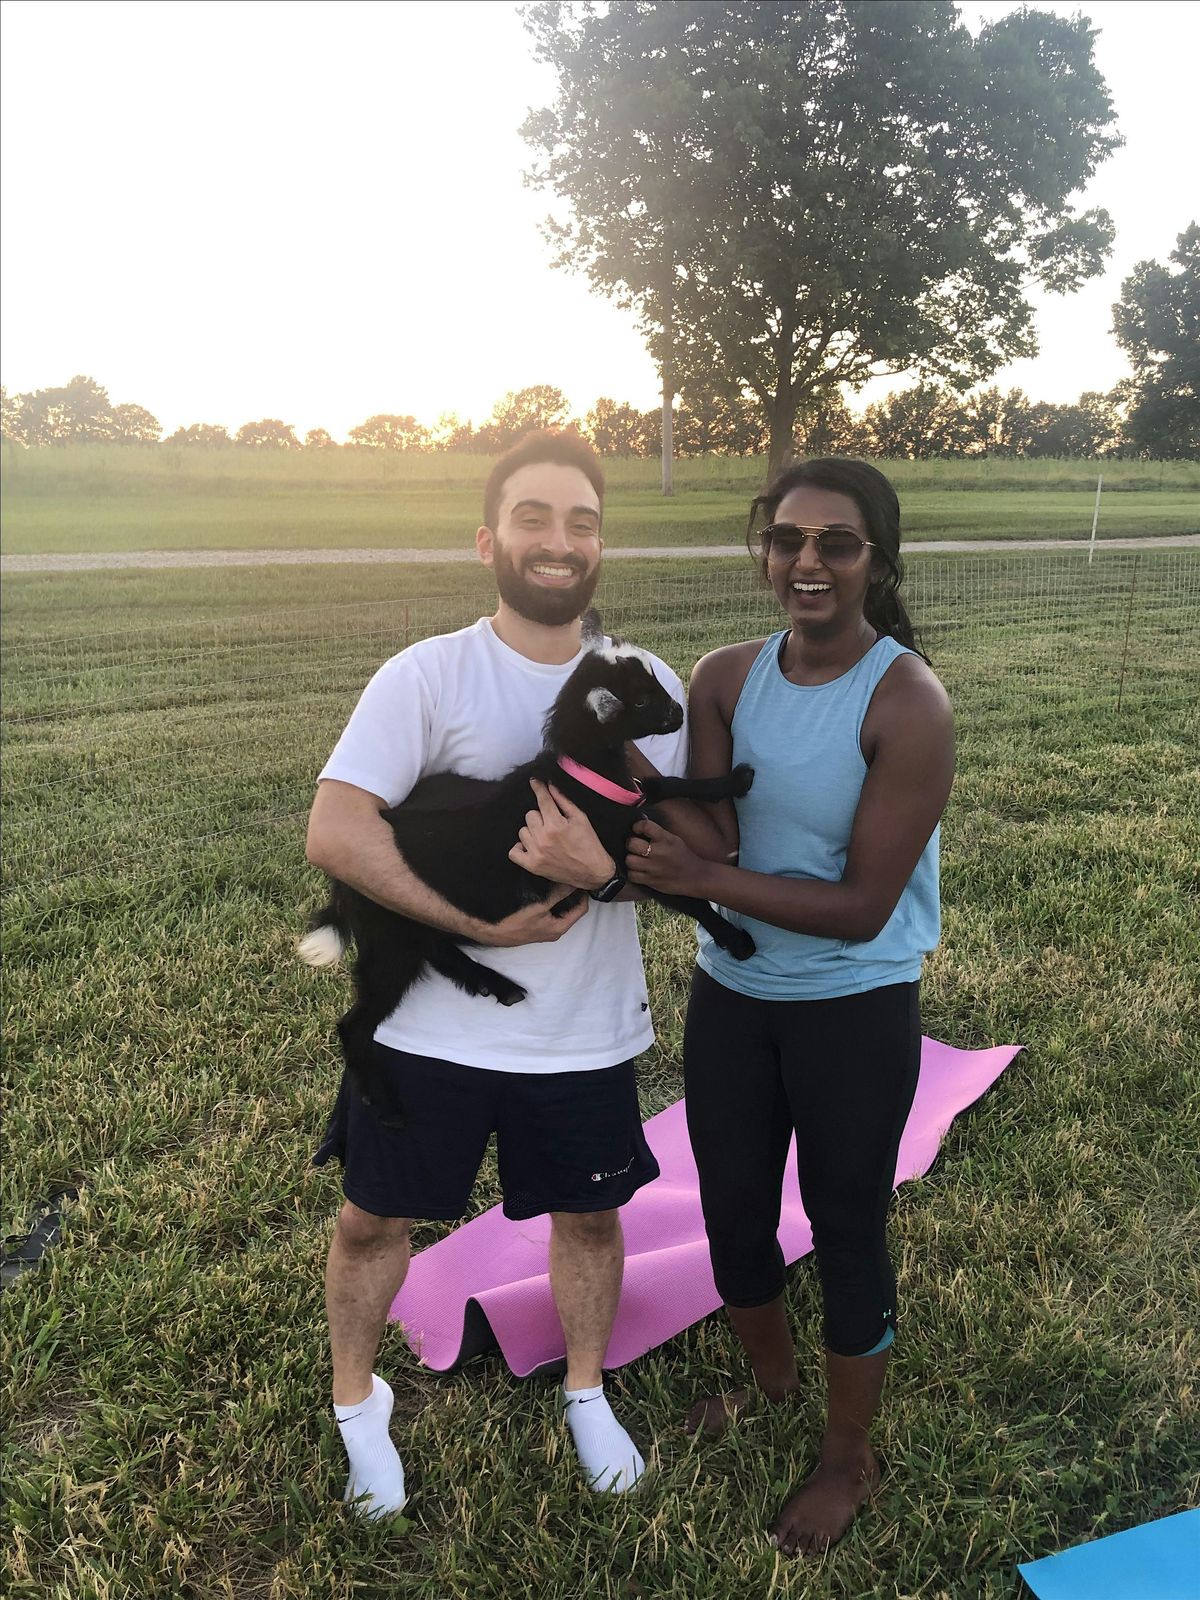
<point x="1158" y="1561"/>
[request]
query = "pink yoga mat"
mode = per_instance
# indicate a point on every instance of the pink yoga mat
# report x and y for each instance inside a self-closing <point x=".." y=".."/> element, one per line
<point x="499" y="1268"/>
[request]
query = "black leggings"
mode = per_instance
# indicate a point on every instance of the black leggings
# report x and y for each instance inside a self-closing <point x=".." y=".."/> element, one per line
<point x="841" y="1073"/>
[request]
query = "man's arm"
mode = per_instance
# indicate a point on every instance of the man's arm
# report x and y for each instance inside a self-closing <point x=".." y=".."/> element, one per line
<point x="348" y="839"/>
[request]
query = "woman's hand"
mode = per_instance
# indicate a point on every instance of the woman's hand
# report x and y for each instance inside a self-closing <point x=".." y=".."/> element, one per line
<point x="558" y="842"/>
<point x="657" y="859"/>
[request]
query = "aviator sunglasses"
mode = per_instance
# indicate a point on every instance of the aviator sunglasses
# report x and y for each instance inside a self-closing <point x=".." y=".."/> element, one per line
<point x="837" y="547"/>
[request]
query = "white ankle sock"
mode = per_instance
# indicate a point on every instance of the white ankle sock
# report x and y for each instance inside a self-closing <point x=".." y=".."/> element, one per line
<point x="375" y="1468"/>
<point x="609" y="1456"/>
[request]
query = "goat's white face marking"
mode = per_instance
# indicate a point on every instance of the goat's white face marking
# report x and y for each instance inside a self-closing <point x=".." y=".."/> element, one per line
<point x="624" y="652"/>
<point x="603" y="704"/>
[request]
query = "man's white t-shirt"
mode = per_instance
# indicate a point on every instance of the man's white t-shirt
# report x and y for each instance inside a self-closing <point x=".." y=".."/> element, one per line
<point x="465" y="702"/>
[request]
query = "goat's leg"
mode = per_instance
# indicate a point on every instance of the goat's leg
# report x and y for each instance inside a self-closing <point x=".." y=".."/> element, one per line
<point x="381" y="981"/>
<point x="735" y="940"/>
<point x="472" y="976"/>
<point x="731" y="787"/>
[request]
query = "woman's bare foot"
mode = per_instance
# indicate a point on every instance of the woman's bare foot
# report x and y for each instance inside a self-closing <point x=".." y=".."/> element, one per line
<point x="713" y="1414"/>
<point x="820" y="1512"/>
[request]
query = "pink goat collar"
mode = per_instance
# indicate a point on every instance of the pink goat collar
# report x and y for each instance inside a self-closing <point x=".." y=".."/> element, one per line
<point x="601" y="785"/>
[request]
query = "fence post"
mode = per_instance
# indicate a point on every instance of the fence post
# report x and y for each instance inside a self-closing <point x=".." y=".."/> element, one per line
<point x="1128" y="620"/>
<point x="1095" y="519"/>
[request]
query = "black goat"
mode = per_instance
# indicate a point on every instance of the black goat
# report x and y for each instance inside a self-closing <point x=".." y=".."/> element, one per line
<point x="455" y="833"/>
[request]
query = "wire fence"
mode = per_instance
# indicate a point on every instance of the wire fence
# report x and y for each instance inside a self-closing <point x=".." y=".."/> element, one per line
<point x="128" y="750"/>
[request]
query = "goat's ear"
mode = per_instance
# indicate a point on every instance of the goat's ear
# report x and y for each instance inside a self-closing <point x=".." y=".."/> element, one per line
<point x="603" y="704"/>
<point x="592" y="631"/>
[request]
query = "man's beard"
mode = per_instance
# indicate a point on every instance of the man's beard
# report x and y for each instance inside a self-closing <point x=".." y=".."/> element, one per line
<point x="552" y="608"/>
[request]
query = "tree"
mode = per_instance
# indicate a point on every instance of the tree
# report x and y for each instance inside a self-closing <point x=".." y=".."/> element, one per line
<point x="269" y="434"/>
<point x="13" y="417"/>
<point x="449" y="432"/>
<point x="319" y="439"/>
<point x="523" y="411"/>
<point x="205" y="434"/>
<point x="825" y="427"/>
<point x="615" y="428"/>
<point x="717" y="421"/>
<point x="135" y="425"/>
<point x="995" y="424"/>
<point x="915" y="423"/>
<point x="385" y="431"/>
<point x="1087" y="429"/>
<point x="77" y="413"/>
<point x="1157" y="324"/>
<point x="799" y="196"/>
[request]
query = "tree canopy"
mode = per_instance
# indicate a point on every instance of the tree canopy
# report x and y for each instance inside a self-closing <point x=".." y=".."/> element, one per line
<point x="269" y="434"/>
<point x="385" y="431"/>
<point x="78" y="412"/>
<point x="800" y="196"/>
<point x="1157" y="323"/>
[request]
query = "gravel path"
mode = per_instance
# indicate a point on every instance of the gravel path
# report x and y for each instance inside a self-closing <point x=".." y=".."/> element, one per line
<point x="122" y="560"/>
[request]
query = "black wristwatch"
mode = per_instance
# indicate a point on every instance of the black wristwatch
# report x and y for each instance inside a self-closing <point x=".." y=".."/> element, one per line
<point x="611" y="889"/>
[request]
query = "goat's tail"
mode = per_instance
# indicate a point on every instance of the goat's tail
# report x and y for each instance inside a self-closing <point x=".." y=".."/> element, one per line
<point x="326" y="939"/>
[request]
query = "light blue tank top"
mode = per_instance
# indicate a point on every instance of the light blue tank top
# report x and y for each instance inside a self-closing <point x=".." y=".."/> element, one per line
<point x="803" y="742"/>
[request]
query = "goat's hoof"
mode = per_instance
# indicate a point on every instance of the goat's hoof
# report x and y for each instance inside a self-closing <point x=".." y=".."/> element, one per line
<point x="743" y="777"/>
<point x="739" y="944"/>
<point x="511" y="996"/>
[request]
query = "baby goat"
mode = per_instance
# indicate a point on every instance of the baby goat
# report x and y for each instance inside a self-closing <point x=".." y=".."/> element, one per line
<point x="455" y="833"/>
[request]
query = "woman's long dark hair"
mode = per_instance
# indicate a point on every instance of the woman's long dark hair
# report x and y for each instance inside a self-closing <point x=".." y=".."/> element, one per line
<point x="876" y="499"/>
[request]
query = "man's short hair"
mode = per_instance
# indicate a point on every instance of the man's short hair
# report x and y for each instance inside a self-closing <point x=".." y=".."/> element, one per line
<point x="563" y="449"/>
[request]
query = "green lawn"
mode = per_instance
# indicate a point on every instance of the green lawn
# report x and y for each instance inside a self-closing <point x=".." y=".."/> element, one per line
<point x="165" y="1372"/>
<point x="94" y="499"/>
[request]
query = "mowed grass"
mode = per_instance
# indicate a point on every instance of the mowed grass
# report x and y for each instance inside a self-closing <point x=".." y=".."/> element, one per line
<point x="103" y="499"/>
<point x="166" y="1377"/>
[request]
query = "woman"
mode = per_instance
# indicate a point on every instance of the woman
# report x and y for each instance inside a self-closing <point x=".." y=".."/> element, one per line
<point x="851" y="738"/>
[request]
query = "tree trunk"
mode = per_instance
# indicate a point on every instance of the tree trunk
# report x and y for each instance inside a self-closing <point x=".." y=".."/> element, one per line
<point x="783" y="427"/>
<point x="668" y="446"/>
<point x="668" y="379"/>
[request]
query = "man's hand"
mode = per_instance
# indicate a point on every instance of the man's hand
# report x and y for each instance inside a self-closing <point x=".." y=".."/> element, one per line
<point x="532" y="924"/>
<point x="660" y="860"/>
<point x="558" y="842"/>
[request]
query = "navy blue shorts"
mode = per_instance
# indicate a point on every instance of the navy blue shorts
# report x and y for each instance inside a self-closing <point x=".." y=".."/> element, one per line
<point x="565" y="1141"/>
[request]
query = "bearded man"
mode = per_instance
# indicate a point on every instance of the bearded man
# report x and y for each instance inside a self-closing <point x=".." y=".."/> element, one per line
<point x="553" y="1077"/>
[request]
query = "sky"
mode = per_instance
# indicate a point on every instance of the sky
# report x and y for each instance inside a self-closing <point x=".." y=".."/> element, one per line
<point x="313" y="209"/>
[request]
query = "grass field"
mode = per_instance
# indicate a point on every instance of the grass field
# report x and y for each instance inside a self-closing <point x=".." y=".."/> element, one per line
<point x="101" y="498"/>
<point x="165" y="1379"/>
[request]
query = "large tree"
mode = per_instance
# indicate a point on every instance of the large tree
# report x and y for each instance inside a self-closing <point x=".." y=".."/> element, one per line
<point x="268" y="434"/>
<point x="1157" y="324"/>
<point x="616" y="428"/>
<point x="78" y="412"/>
<point x="135" y="425"/>
<point x="796" y="196"/>
<point x="208" y="435"/>
<point x="916" y="423"/>
<point x="521" y="411"/>
<point x="386" y="431"/>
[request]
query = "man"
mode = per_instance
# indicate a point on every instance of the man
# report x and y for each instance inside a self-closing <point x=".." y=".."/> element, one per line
<point x="553" y="1076"/>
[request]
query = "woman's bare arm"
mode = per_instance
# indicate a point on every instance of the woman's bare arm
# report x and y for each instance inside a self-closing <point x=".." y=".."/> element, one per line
<point x="910" y="734"/>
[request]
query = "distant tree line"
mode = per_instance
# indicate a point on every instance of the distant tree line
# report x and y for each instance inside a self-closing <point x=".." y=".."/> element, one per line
<point x="921" y="422"/>
<point x="1154" y="413"/>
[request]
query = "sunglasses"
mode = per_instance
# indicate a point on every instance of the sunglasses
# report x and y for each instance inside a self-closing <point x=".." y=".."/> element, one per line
<point x="838" y="547"/>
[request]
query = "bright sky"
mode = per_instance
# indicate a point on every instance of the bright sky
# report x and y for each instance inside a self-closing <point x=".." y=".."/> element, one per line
<point x="313" y="209"/>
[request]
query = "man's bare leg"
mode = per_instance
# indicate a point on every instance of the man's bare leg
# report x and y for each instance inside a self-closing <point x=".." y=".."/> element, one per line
<point x="767" y="1341"/>
<point x="587" y="1259"/>
<point x="820" y="1512"/>
<point x="368" y="1260"/>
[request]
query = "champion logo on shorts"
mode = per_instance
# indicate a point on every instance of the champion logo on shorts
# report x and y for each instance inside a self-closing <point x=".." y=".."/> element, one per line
<point x="598" y="1177"/>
